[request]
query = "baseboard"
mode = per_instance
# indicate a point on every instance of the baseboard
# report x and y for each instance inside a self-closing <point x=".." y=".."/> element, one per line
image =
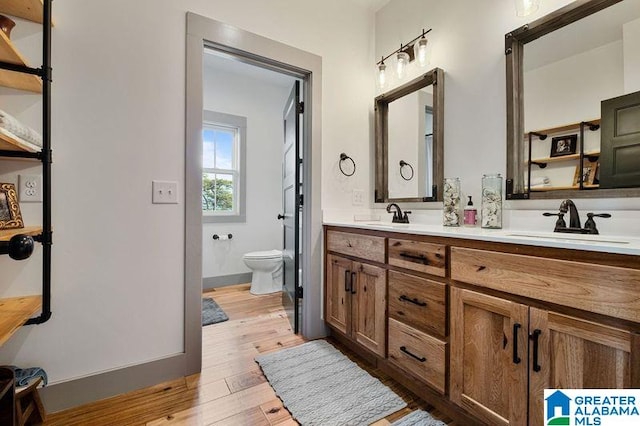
<point x="77" y="392"/>
<point x="225" y="280"/>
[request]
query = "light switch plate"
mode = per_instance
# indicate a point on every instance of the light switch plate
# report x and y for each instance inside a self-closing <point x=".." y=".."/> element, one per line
<point x="30" y="188"/>
<point x="164" y="192"/>
<point x="358" y="197"/>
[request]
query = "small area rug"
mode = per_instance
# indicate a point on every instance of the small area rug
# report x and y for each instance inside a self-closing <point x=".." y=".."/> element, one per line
<point x="321" y="386"/>
<point x="211" y="312"/>
<point x="418" y="418"/>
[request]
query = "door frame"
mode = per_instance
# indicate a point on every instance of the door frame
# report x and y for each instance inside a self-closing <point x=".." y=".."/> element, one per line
<point x="257" y="50"/>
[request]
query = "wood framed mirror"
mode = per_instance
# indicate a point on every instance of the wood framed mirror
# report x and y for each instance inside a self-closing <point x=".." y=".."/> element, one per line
<point x="409" y="141"/>
<point x="560" y="69"/>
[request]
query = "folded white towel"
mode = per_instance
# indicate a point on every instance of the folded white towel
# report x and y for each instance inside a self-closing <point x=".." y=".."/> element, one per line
<point x="11" y="124"/>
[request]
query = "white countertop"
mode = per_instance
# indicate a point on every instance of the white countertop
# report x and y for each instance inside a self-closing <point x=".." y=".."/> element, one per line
<point x="600" y="243"/>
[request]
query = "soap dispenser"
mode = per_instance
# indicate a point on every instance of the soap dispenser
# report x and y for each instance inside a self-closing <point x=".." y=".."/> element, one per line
<point x="470" y="214"/>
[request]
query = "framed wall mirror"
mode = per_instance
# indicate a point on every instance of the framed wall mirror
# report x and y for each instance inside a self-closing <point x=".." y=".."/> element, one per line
<point x="572" y="77"/>
<point x="409" y="139"/>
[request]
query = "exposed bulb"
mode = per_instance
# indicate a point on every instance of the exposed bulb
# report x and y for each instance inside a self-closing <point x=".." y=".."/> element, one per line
<point x="382" y="75"/>
<point x="526" y="7"/>
<point x="420" y="49"/>
<point x="401" y="64"/>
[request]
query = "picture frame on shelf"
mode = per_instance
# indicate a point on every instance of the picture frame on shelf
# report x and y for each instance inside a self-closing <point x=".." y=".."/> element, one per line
<point x="10" y="216"/>
<point x="588" y="172"/>
<point x="564" y="145"/>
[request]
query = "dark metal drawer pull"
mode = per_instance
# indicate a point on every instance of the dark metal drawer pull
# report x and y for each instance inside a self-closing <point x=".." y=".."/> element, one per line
<point x="415" y="301"/>
<point x="516" y="358"/>
<point x="346" y="281"/>
<point x="419" y="257"/>
<point x="353" y="278"/>
<point x="404" y="349"/>
<point x="535" y="337"/>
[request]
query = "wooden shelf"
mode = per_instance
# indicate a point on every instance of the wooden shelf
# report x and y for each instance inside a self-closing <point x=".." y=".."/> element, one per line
<point x="562" y="129"/>
<point x="14" y="312"/>
<point x="560" y="188"/>
<point x="31" y="10"/>
<point x="9" y="142"/>
<point x="6" y="234"/>
<point x="16" y="80"/>
<point x="565" y="157"/>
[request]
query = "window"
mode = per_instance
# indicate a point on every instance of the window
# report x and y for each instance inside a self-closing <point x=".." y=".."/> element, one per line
<point x="223" y="187"/>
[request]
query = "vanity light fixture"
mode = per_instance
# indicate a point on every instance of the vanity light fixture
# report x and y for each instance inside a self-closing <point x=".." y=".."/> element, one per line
<point x="402" y="60"/>
<point x="405" y="54"/>
<point x="526" y="7"/>
<point x="382" y="74"/>
<point x="420" y="49"/>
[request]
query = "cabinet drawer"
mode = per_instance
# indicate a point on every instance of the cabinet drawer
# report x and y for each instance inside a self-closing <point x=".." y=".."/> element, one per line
<point x="418" y="256"/>
<point x="606" y="290"/>
<point x="358" y="245"/>
<point x="418" y="353"/>
<point x="418" y="302"/>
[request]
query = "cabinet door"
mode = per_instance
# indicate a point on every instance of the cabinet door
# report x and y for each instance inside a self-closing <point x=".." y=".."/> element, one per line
<point x="620" y="135"/>
<point x="489" y="357"/>
<point x="369" y="296"/>
<point x="574" y="353"/>
<point x="338" y="297"/>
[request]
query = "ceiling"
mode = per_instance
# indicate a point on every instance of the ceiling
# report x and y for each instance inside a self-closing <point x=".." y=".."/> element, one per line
<point x="373" y="5"/>
<point x="586" y="34"/>
<point x="220" y="63"/>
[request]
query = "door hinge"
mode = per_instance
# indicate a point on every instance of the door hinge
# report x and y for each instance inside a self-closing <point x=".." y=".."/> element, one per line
<point x="299" y="292"/>
<point x="301" y="199"/>
<point x="300" y="108"/>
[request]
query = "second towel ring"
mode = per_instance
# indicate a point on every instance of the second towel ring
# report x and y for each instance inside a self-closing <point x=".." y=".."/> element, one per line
<point x="344" y="157"/>
<point x="402" y="164"/>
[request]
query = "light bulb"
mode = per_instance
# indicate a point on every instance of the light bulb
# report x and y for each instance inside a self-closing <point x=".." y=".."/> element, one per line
<point x="382" y="75"/>
<point x="526" y="7"/>
<point x="401" y="64"/>
<point x="420" y="49"/>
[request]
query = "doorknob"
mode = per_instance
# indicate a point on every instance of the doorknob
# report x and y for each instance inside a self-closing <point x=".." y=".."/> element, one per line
<point x="280" y="216"/>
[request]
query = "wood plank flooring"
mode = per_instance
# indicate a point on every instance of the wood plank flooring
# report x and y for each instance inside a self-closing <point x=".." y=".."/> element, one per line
<point x="231" y="389"/>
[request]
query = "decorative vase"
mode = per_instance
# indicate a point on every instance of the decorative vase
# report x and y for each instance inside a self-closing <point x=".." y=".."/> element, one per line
<point x="492" y="201"/>
<point x="451" y="202"/>
<point x="6" y="25"/>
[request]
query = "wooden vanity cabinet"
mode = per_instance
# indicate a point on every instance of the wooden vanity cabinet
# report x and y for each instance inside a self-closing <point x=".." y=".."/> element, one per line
<point x="479" y="329"/>
<point x="356" y="302"/>
<point x="517" y="351"/>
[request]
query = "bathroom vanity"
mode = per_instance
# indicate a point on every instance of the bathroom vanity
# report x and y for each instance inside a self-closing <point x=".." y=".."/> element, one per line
<point x="479" y="323"/>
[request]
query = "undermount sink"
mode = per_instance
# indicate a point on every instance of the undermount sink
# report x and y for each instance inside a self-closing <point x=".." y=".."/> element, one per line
<point x="571" y="237"/>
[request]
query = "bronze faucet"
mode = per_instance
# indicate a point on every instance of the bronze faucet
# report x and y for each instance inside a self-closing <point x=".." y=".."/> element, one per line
<point x="568" y="206"/>
<point x="398" y="217"/>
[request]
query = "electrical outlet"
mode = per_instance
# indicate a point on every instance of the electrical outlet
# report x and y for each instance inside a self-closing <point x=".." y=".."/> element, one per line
<point x="358" y="197"/>
<point x="164" y="192"/>
<point x="30" y="188"/>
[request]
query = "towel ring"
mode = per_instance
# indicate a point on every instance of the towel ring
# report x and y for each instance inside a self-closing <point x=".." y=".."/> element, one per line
<point x="402" y="164"/>
<point x="344" y="157"/>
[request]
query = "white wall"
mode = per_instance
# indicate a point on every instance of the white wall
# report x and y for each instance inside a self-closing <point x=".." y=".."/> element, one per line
<point x="262" y="103"/>
<point x="467" y="41"/>
<point x="570" y="90"/>
<point x="118" y="123"/>
<point x="631" y="37"/>
<point x="404" y="130"/>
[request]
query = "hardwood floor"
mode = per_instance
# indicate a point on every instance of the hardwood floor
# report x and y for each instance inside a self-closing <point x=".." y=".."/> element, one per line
<point x="231" y="389"/>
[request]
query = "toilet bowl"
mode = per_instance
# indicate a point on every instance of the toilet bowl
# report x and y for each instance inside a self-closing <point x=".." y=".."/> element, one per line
<point x="266" y="267"/>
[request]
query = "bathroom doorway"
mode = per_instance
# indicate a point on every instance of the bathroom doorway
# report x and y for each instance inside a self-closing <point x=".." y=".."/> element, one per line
<point x="249" y="48"/>
<point x="252" y="168"/>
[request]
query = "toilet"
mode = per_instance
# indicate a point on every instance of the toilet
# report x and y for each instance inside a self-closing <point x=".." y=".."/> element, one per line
<point x="267" y="271"/>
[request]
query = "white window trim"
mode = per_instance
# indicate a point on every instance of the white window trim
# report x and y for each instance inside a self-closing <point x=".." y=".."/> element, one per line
<point x="239" y="177"/>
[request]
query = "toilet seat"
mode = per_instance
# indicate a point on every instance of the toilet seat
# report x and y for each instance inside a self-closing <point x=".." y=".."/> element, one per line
<point x="269" y="254"/>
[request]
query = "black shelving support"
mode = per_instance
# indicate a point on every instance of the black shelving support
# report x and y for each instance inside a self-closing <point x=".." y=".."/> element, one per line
<point x="46" y="238"/>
